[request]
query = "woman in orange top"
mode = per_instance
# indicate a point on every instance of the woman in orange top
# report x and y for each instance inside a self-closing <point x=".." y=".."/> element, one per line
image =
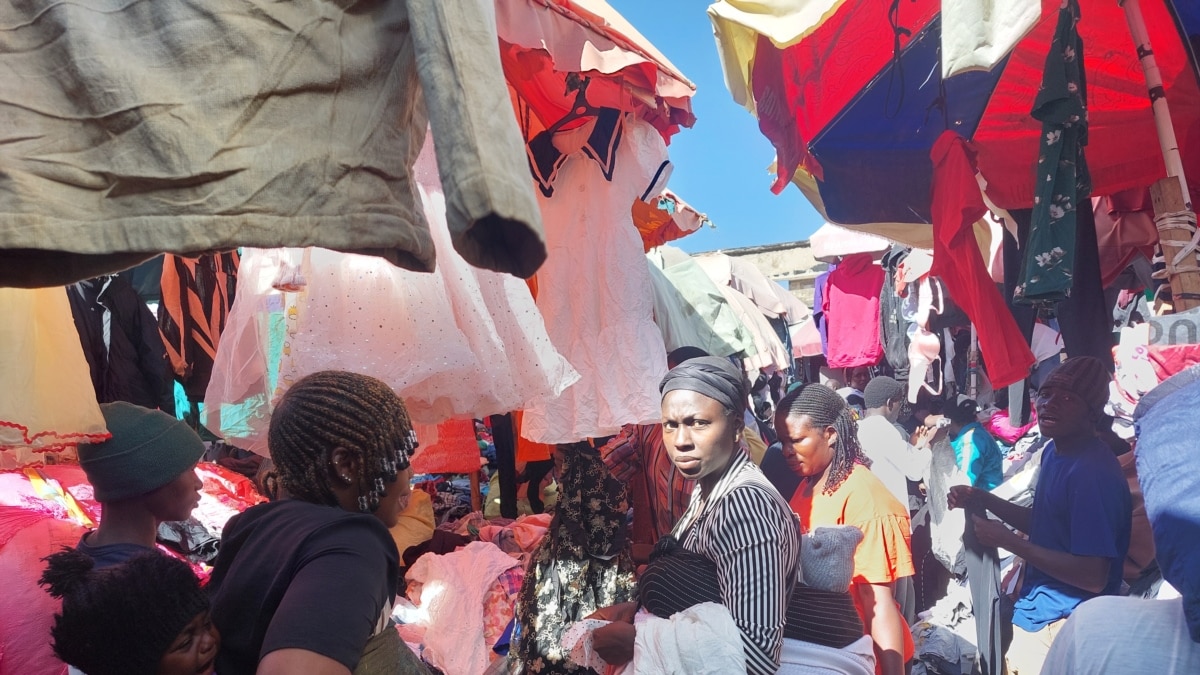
<point x="820" y="444"/>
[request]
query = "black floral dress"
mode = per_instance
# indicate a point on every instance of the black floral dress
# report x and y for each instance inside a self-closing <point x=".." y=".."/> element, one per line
<point x="583" y="564"/>
<point x="1063" y="182"/>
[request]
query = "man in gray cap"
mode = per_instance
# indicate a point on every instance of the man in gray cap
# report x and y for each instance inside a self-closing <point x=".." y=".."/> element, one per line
<point x="143" y="476"/>
<point x="1081" y="517"/>
<point x="1134" y="635"/>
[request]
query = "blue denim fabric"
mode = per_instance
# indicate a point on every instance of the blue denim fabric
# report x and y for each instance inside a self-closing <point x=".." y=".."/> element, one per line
<point x="1168" y="464"/>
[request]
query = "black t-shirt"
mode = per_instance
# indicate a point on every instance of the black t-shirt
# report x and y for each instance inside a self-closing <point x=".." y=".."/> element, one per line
<point x="294" y="575"/>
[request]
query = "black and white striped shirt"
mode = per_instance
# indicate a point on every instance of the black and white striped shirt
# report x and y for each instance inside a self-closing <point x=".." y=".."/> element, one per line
<point x="750" y="532"/>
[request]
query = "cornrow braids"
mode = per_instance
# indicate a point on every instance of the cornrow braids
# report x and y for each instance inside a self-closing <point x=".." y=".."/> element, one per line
<point x="333" y="409"/>
<point x="824" y="408"/>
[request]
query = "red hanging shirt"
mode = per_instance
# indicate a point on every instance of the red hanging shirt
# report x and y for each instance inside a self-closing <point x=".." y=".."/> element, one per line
<point x="957" y="206"/>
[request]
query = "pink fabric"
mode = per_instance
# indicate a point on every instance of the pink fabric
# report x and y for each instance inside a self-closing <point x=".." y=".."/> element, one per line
<point x="851" y="306"/>
<point x="957" y="206"/>
<point x="1000" y="428"/>
<point x="1124" y="228"/>
<point x="499" y="606"/>
<point x="27" y="611"/>
<point x="1168" y="361"/>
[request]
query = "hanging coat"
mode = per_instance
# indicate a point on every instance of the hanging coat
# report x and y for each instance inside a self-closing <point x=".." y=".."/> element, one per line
<point x="197" y="296"/>
<point x="121" y="342"/>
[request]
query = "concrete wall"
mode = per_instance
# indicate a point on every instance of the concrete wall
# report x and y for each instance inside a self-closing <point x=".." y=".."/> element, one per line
<point x="791" y="263"/>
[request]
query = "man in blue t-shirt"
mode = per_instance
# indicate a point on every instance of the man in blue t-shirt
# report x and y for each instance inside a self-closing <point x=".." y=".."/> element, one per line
<point x="1079" y="525"/>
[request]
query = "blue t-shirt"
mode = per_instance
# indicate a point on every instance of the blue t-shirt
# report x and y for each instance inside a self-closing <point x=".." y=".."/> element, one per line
<point x="110" y="554"/>
<point x="1082" y="506"/>
<point x="984" y="463"/>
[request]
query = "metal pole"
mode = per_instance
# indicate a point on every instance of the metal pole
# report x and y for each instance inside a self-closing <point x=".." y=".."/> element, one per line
<point x="973" y="365"/>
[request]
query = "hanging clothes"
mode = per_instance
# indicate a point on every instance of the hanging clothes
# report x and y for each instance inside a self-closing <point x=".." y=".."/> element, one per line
<point x="820" y="288"/>
<point x="699" y="297"/>
<point x="186" y="127"/>
<point x="1085" y="318"/>
<point x="196" y="296"/>
<point x="769" y="353"/>
<point x="1063" y="182"/>
<point x="983" y="577"/>
<point x="892" y="326"/>
<point x="47" y="401"/>
<point x="851" y="307"/>
<point x="1019" y="408"/>
<point x="124" y="351"/>
<point x="459" y="342"/>
<point x="595" y="292"/>
<point x="957" y="205"/>
<point x="581" y="565"/>
<point x="1125" y="230"/>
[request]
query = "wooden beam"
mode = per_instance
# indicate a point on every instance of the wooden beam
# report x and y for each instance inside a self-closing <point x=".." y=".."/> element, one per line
<point x="1167" y="197"/>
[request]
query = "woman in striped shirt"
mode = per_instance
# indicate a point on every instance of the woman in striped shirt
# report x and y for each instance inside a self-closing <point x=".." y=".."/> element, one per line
<point x="736" y="518"/>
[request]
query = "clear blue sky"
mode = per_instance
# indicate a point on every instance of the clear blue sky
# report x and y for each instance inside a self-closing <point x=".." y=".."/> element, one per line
<point x="720" y="163"/>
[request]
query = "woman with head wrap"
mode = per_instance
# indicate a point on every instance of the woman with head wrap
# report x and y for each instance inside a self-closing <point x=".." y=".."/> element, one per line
<point x="305" y="584"/>
<point x="736" y="519"/>
<point x="820" y="442"/>
<point x="582" y="564"/>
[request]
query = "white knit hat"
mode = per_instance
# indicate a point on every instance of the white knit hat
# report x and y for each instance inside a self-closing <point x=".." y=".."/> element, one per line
<point x="827" y="557"/>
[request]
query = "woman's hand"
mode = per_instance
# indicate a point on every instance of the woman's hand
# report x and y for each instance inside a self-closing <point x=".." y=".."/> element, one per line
<point x="622" y="613"/>
<point x="614" y="642"/>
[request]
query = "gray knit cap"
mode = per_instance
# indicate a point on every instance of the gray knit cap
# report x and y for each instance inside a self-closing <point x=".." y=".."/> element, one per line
<point x="148" y="449"/>
<point x="827" y="557"/>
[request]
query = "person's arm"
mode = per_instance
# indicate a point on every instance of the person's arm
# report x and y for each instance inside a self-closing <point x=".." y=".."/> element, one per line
<point x="289" y="661"/>
<point x="614" y="642"/>
<point x="623" y="454"/>
<point x="1087" y="572"/>
<point x="883" y="622"/>
<point x="964" y="496"/>
<point x="916" y="454"/>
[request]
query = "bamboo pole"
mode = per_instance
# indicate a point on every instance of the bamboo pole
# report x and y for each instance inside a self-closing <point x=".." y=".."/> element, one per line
<point x="1173" y="214"/>
<point x="1158" y="95"/>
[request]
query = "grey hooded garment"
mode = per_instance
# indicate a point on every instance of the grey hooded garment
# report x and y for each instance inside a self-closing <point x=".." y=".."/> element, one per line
<point x="134" y="127"/>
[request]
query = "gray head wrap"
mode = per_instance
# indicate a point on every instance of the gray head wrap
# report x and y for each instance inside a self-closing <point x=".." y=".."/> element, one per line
<point x="711" y="376"/>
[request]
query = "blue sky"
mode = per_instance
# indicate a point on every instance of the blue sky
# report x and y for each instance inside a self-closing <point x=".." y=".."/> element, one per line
<point x="720" y="163"/>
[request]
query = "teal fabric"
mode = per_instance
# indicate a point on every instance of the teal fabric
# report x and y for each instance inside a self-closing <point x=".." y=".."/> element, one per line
<point x="236" y="417"/>
<point x="983" y="461"/>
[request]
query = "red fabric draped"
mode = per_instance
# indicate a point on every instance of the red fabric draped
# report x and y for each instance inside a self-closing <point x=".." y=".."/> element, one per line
<point x="957" y="206"/>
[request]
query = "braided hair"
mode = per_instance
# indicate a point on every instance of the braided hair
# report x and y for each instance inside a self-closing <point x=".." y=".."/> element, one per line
<point x="824" y="408"/>
<point x="332" y="409"/>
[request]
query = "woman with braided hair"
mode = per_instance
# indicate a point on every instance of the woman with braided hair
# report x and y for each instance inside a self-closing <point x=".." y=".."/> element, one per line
<point x="820" y="443"/>
<point x="305" y="584"/>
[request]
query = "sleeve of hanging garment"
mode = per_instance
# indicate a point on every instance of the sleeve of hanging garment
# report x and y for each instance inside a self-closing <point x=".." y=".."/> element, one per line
<point x="494" y="218"/>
